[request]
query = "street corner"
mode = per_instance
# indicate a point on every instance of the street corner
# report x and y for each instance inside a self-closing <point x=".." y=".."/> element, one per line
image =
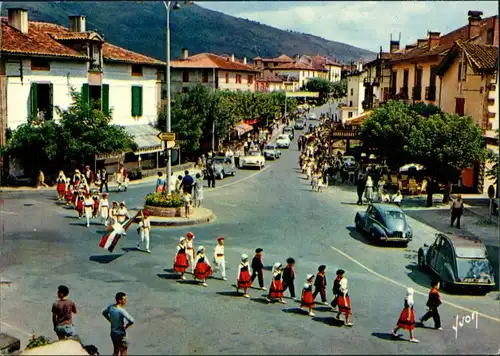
<point x="200" y="216"/>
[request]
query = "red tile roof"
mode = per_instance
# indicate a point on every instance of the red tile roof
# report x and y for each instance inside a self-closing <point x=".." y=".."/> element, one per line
<point x="484" y="57"/>
<point x="282" y="59"/>
<point x="210" y="60"/>
<point x="47" y="39"/>
<point x="268" y="76"/>
<point x="295" y="65"/>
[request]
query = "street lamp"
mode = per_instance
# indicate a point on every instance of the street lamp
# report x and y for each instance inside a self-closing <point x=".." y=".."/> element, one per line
<point x="168" y="6"/>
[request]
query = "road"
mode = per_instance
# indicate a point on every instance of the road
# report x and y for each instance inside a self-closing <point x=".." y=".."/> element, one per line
<point x="44" y="245"/>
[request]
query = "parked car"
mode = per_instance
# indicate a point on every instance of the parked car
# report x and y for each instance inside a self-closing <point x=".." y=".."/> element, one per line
<point x="300" y="124"/>
<point x="313" y="116"/>
<point x="283" y="141"/>
<point x="349" y="162"/>
<point x="384" y="223"/>
<point x="290" y="131"/>
<point x="15" y="181"/>
<point x="224" y="166"/>
<point x="460" y="262"/>
<point x="253" y="159"/>
<point x="271" y="152"/>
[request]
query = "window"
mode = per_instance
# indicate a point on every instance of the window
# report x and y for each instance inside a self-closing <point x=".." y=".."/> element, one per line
<point x="95" y="54"/>
<point x="41" y="101"/>
<point x="394" y="79"/>
<point x="418" y="77"/>
<point x="406" y="75"/>
<point x="250" y="79"/>
<point x="40" y="64"/>
<point x="460" y="106"/>
<point x="350" y="103"/>
<point x="349" y="114"/>
<point x="97" y="95"/>
<point x="432" y="79"/>
<point x="185" y="77"/>
<point x="238" y="78"/>
<point x="136" y="70"/>
<point x="352" y="91"/>
<point x="490" y="37"/>
<point x="136" y="101"/>
<point x="227" y="78"/>
<point x="204" y="77"/>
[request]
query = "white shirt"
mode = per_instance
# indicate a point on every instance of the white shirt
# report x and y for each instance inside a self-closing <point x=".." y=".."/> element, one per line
<point x="219" y="250"/>
<point x="104" y="203"/>
<point x="397" y="198"/>
<point x="343" y="285"/>
<point x="190" y="245"/>
<point x="145" y="224"/>
<point x="88" y="203"/>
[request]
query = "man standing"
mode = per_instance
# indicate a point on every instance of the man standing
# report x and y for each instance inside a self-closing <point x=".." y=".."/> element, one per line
<point x="219" y="259"/>
<point x="457" y="209"/>
<point x="258" y="268"/>
<point x="120" y="321"/>
<point x="104" y="180"/>
<point x="89" y="176"/>
<point x="360" y="186"/>
<point x="62" y="314"/>
<point x="187" y="183"/>
<point x="211" y="174"/>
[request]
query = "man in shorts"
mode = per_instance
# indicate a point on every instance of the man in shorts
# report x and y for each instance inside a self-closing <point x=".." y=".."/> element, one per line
<point x="120" y="321"/>
<point x="62" y="314"/>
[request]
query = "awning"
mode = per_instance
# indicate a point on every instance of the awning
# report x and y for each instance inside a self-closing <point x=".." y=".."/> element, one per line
<point x="358" y="120"/>
<point x="243" y="128"/>
<point x="145" y="136"/>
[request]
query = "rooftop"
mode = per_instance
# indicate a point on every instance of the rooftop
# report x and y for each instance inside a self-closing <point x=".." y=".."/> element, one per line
<point x="268" y="76"/>
<point x="210" y="60"/>
<point x="484" y="57"/>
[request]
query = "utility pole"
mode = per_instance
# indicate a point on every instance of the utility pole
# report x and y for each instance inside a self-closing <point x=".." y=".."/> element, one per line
<point x="213" y="121"/>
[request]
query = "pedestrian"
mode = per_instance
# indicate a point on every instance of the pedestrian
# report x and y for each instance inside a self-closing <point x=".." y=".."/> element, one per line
<point x="385" y="197"/>
<point x="307" y="299"/>
<point x="120" y="321"/>
<point x="397" y="198"/>
<point x="219" y="259"/>
<point x="344" y="301"/>
<point x="320" y="284"/>
<point x="369" y="189"/>
<point x="198" y="191"/>
<point x="62" y="314"/>
<point x="89" y="176"/>
<point x="68" y="193"/>
<point x="407" y="317"/>
<point x="41" y="180"/>
<point x="98" y="181"/>
<point x="88" y="204"/>
<point x="160" y="183"/>
<point x="104" y="180"/>
<point x="181" y="262"/>
<point x="360" y="187"/>
<point x="336" y="289"/>
<point x="95" y="208"/>
<point x="122" y="215"/>
<point x="113" y="214"/>
<point x="433" y="302"/>
<point x="289" y="277"/>
<point x="190" y="249"/>
<point x="276" y="289"/>
<point x="203" y="269"/>
<point x="122" y="177"/>
<point x="457" y="209"/>
<point x="144" y="230"/>
<point x="188" y="201"/>
<point x="187" y="183"/>
<point x="211" y="173"/>
<point x="178" y="184"/>
<point x="104" y="209"/>
<point x="61" y="185"/>
<point x="244" y="280"/>
<point x="258" y="268"/>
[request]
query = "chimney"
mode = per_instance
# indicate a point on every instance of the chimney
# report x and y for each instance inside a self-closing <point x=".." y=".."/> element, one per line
<point x="18" y="18"/>
<point x="77" y="23"/>
<point x="433" y="39"/>
<point x="412" y="46"/>
<point x="244" y="60"/>
<point x="474" y="23"/>
<point x="422" y="42"/>
<point x="394" y="46"/>
<point x="185" y="53"/>
<point x="232" y="58"/>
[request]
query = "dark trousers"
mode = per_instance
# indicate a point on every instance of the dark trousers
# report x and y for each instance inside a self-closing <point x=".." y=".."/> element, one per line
<point x="260" y="274"/>
<point x="291" y="287"/>
<point x="211" y="180"/>
<point x="335" y="302"/>
<point x="102" y="185"/>
<point x="322" y="293"/>
<point x="360" y="195"/>
<point x="456" y="214"/>
<point x="433" y="312"/>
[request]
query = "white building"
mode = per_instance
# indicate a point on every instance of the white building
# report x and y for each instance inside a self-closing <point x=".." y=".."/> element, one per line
<point x="355" y="95"/>
<point x="41" y="63"/>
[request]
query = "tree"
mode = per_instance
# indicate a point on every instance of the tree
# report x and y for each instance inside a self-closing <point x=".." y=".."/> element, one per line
<point x="339" y="89"/>
<point x="424" y="109"/>
<point x="322" y="86"/>
<point x="493" y="158"/>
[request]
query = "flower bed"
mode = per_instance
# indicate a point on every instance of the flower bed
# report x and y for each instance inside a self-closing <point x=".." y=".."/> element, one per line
<point x="162" y="205"/>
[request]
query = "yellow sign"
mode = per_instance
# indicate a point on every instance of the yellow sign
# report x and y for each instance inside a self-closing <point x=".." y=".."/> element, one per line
<point x="170" y="144"/>
<point x="301" y="94"/>
<point x="166" y="136"/>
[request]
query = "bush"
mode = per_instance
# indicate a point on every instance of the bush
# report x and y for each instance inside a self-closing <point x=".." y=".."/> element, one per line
<point x="165" y="201"/>
<point x="38" y="341"/>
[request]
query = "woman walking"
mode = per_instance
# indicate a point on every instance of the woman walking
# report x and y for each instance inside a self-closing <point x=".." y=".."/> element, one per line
<point x="407" y="317"/>
<point x="61" y="186"/>
<point x="344" y="301"/>
<point x="276" y="289"/>
<point x="181" y="262"/>
<point x="307" y="299"/>
<point x="198" y="195"/>
<point x="369" y="189"/>
<point x="244" y="279"/>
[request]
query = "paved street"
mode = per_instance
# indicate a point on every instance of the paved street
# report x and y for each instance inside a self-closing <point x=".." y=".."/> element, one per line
<point x="44" y="245"/>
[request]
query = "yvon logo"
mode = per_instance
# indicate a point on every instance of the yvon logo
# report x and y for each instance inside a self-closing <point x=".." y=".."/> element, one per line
<point x="467" y="319"/>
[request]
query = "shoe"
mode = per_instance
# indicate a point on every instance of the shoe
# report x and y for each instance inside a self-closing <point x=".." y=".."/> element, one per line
<point x="148" y="251"/>
<point x="138" y="245"/>
<point x="183" y="278"/>
<point x="326" y="303"/>
<point x="224" y="279"/>
<point x="414" y="340"/>
<point x="349" y="324"/>
<point x="204" y="284"/>
<point x="311" y="314"/>
<point x="282" y="301"/>
<point x="88" y="225"/>
<point x="440" y="328"/>
<point x="246" y="296"/>
<point x="268" y="300"/>
<point x="263" y="288"/>
<point x="124" y="234"/>
<point x="394" y="334"/>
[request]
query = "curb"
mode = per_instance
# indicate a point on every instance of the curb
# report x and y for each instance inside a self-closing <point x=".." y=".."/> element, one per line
<point x="187" y="222"/>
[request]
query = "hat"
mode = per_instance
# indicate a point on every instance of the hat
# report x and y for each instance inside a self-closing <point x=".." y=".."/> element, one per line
<point x="410" y="291"/>
<point x="104" y="194"/>
<point x="340" y="272"/>
<point x="145" y="213"/>
<point x="190" y="235"/>
<point x="122" y="203"/>
<point x="115" y="203"/>
<point x="258" y="250"/>
<point x="201" y="248"/>
<point x="277" y="265"/>
<point x="244" y="257"/>
<point x="290" y="260"/>
<point x="321" y="268"/>
<point x="310" y="276"/>
<point x="220" y="238"/>
<point x="182" y="239"/>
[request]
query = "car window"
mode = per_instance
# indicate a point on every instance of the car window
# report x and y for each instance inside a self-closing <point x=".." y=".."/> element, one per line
<point x="394" y="215"/>
<point x="369" y="210"/>
<point x="269" y="148"/>
<point x="228" y="160"/>
<point x="447" y="251"/>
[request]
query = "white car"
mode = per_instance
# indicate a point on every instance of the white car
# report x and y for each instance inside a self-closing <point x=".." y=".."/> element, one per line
<point x="313" y="116"/>
<point x="253" y="159"/>
<point x="283" y="141"/>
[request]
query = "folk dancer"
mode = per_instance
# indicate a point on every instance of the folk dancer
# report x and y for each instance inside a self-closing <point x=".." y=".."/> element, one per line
<point x="113" y="214"/>
<point x="122" y="214"/>
<point x="258" y="268"/>
<point x="307" y="299"/>
<point x="89" y="176"/>
<point x="104" y="180"/>
<point x="122" y="177"/>
<point x="433" y="303"/>
<point x="203" y="269"/>
<point x="104" y="209"/>
<point x="336" y="289"/>
<point x="407" y="317"/>
<point x="244" y="280"/>
<point x="79" y="204"/>
<point x="76" y="188"/>
<point x="61" y="185"/>
<point x="344" y="301"/>
<point x="219" y="259"/>
<point x="289" y="277"/>
<point x="276" y="289"/>
<point x="144" y="230"/>
<point x="181" y="262"/>
<point x="89" y="206"/>
<point x="95" y="198"/>
<point x="320" y="284"/>
<point x="68" y="193"/>
<point x="190" y="249"/>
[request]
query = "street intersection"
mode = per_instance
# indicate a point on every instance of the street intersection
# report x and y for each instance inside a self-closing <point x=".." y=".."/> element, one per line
<point x="44" y="245"/>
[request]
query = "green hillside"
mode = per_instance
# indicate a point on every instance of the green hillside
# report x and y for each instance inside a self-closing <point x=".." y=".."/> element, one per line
<point x="141" y="27"/>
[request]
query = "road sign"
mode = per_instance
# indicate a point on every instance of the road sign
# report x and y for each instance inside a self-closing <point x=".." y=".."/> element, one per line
<point x="170" y="144"/>
<point x="166" y="136"/>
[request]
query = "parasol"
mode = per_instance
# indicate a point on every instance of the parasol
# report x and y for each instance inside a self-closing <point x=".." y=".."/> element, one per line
<point x="411" y="166"/>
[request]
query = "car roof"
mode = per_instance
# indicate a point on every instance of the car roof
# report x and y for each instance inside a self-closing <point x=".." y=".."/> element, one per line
<point x="383" y="207"/>
<point x="283" y="135"/>
<point x="466" y="246"/>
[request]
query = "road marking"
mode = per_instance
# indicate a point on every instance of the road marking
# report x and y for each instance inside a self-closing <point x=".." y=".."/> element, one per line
<point x="239" y="181"/>
<point x="15" y="328"/>
<point x="416" y="291"/>
<point x="3" y="212"/>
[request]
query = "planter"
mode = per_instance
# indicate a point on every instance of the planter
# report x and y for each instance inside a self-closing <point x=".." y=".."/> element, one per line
<point x="164" y="212"/>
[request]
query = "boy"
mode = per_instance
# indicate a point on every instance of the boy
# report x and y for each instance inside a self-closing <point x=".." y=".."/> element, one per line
<point x="187" y="204"/>
<point x="433" y="303"/>
<point x="219" y="259"/>
<point x="258" y="268"/>
<point x="320" y="284"/>
<point x="144" y="230"/>
<point x="62" y="314"/>
<point x="289" y="277"/>
<point x="117" y="316"/>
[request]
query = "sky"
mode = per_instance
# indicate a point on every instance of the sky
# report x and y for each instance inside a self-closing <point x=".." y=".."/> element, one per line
<point x="365" y="24"/>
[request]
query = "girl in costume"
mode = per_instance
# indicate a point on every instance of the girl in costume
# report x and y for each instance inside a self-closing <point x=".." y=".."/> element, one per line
<point x="181" y="262"/>
<point x="307" y="300"/>
<point x="203" y="269"/>
<point x="244" y="278"/>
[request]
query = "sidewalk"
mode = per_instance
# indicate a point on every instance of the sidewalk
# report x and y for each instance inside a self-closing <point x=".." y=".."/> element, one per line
<point x="200" y="216"/>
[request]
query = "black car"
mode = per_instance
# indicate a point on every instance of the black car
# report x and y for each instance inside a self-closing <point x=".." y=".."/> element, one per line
<point x="461" y="262"/>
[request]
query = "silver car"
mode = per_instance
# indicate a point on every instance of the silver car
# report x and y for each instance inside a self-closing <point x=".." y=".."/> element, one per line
<point x="224" y="166"/>
<point x="271" y="152"/>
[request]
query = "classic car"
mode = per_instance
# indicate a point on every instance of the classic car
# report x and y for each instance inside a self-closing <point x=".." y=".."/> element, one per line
<point x="349" y="162"/>
<point x="384" y="223"/>
<point x="460" y="262"/>
<point x="300" y="124"/>
<point x="253" y="159"/>
<point x="271" y="152"/>
<point x="224" y="166"/>
<point x="312" y="116"/>
<point x="290" y="131"/>
<point x="283" y="141"/>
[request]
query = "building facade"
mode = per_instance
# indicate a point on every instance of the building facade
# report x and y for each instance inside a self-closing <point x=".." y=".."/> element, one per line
<point x="355" y="100"/>
<point x="268" y="82"/>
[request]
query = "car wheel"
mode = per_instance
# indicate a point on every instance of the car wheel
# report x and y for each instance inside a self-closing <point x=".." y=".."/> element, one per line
<point x="233" y="174"/>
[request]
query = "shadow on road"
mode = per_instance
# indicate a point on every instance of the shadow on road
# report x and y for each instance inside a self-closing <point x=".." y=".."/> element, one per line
<point x="169" y="270"/>
<point x="260" y="300"/>
<point x="357" y="236"/>
<point x="387" y="336"/>
<point x="189" y="282"/>
<point x="417" y="276"/>
<point x="351" y="203"/>
<point x="323" y="309"/>
<point x="168" y="276"/>
<point x="105" y="258"/>
<point x="230" y="294"/>
<point x="329" y="320"/>
<point x="295" y="311"/>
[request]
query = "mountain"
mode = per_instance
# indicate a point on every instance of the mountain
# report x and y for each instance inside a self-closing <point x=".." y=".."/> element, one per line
<point x="140" y="26"/>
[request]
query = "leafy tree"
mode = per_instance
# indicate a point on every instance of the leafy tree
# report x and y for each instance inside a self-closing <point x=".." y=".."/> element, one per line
<point x="225" y="112"/>
<point x="493" y="157"/>
<point x="323" y="86"/>
<point x="424" y="109"/>
<point x="339" y="89"/>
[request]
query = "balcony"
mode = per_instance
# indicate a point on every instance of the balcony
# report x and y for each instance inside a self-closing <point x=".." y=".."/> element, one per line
<point x="430" y="93"/>
<point x="417" y="93"/>
<point x="376" y="82"/>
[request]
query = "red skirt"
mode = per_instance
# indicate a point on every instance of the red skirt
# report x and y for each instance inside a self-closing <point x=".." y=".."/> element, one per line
<point x="276" y="290"/>
<point x="202" y="270"/>
<point x="244" y="280"/>
<point x="69" y="196"/>
<point x="307" y="300"/>
<point x="75" y="198"/>
<point x="181" y="263"/>
<point x="79" y="207"/>
<point x="61" y="188"/>
<point x="403" y="321"/>
<point x="344" y="304"/>
<point x="96" y="208"/>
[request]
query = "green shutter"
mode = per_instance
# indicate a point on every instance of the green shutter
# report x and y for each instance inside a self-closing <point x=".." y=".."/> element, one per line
<point x="140" y="101"/>
<point x="50" y="114"/>
<point x="136" y="101"/>
<point x="34" y="101"/>
<point x="105" y="98"/>
<point x="85" y="93"/>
